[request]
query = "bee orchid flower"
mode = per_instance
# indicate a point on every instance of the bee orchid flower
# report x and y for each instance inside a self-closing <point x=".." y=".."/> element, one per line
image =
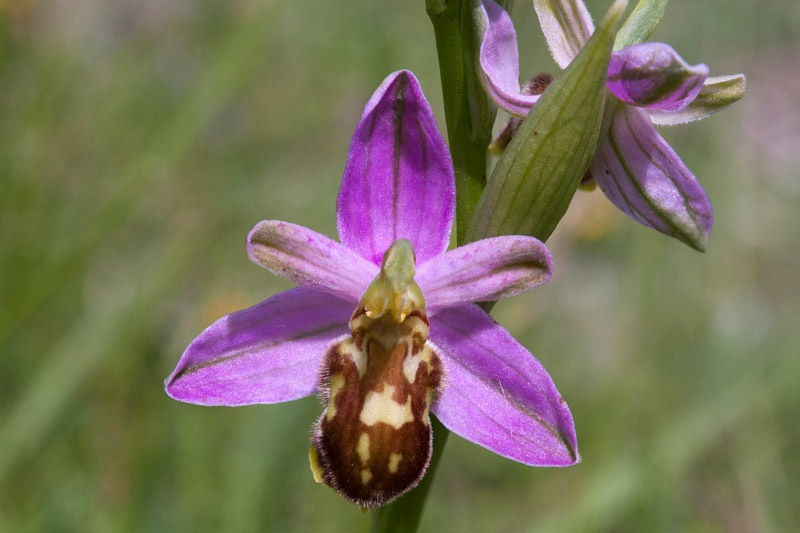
<point x="383" y="326"/>
<point x="635" y="167"/>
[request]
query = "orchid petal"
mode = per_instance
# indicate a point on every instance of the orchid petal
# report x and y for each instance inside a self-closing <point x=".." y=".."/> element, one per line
<point x="489" y="269"/>
<point x="499" y="59"/>
<point x="265" y="354"/>
<point x="717" y="94"/>
<point x="643" y="176"/>
<point x="497" y="394"/>
<point x="567" y="26"/>
<point x="399" y="180"/>
<point x="309" y="259"/>
<point x="654" y="76"/>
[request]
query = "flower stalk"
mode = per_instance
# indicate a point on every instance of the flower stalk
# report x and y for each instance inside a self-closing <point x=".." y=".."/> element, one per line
<point x="469" y="113"/>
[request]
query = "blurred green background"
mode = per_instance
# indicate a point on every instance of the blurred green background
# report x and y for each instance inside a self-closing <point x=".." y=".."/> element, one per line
<point x="140" y="140"/>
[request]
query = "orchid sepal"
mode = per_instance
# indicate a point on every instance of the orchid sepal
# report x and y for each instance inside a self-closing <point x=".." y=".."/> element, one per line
<point x="261" y="354"/>
<point x="643" y="176"/>
<point x="654" y="76"/>
<point x="397" y="181"/>
<point x="503" y="407"/>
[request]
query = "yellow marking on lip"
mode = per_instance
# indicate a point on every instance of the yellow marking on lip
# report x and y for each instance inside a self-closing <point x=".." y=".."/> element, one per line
<point x="410" y="366"/>
<point x="381" y="407"/>
<point x="363" y="447"/>
<point x="426" y="415"/>
<point x="358" y="357"/>
<point x="366" y="476"/>
<point x="317" y="470"/>
<point x="337" y="382"/>
<point x="394" y="461"/>
<point x="425" y="355"/>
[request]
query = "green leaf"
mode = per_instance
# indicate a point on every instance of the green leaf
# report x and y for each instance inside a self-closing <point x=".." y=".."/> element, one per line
<point x="640" y="23"/>
<point x="537" y="176"/>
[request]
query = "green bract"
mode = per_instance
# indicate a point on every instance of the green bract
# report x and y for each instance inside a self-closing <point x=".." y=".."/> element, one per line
<point x="538" y="174"/>
<point x="640" y="23"/>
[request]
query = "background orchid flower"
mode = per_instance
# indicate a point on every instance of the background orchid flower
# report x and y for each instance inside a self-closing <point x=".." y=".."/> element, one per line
<point x="415" y="340"/>
<point x="634" y="166"/>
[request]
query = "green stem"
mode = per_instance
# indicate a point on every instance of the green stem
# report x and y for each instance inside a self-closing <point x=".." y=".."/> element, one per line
<point x="469" y="116"/>
<point x="468" y="112"/>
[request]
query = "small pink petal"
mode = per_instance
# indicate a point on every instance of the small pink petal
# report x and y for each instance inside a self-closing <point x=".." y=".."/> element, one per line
<point x="485" y="270"/>
<point x="499" y="59"/>
<point x="309" y="259"/>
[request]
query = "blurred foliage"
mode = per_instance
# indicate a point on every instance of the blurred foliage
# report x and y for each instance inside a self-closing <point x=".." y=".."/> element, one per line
<point x="141" y="140"/>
